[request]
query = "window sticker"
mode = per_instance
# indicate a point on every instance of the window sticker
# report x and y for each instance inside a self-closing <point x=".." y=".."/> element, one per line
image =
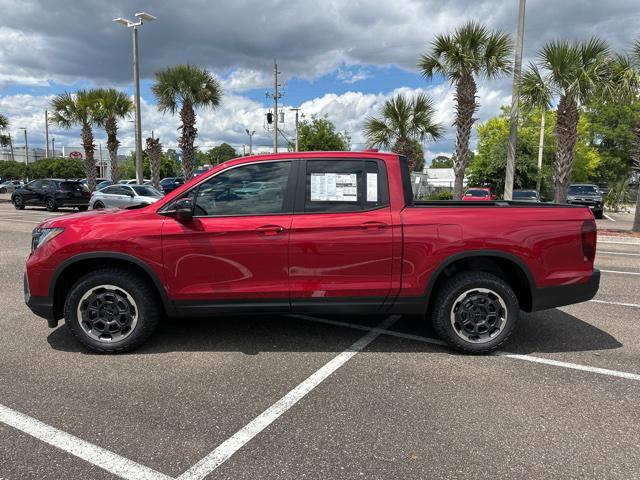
<point x="334" y="187"/>
<point x="372" y="187"/>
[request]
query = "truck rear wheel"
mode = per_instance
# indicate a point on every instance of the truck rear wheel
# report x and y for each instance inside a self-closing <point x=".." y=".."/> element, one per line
<point x="111" y="310"/>
<point x="475" y="312"/>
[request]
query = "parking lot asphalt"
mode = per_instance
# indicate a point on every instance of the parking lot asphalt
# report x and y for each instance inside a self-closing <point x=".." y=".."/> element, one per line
<point x="289" y="397"/>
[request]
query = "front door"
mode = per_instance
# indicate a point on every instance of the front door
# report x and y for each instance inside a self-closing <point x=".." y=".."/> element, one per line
<point x="235" y="249"/>
<point x="341" y="237"/>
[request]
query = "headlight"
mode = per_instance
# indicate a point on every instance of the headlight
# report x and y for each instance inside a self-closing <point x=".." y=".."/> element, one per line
<point x="40" y="236"/>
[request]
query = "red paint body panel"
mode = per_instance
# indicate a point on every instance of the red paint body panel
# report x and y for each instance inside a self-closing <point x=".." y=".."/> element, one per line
<point x="384" y="253"/>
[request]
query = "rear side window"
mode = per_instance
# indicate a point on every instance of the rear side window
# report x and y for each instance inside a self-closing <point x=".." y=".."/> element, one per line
<point x="71" y="186"/>
<point x="344" y="186"/>
<point x="254" y="189"/>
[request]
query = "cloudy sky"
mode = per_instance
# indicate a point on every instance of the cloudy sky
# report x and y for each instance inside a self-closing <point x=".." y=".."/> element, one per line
<point x="340" y="58"/>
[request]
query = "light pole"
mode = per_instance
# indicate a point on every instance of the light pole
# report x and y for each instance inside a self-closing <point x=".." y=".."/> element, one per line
<point x="297" y="130"/>
<point x="46" y="134"/>
<point x="26" y="151"/>
<point x="142" y="17"/>
<point x="513" y="120"/>
<point x="250" y="133"/>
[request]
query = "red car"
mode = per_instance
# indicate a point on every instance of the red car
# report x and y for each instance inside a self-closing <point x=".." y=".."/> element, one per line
<point x="479" y="194"/>
<point x="321" y="233"/>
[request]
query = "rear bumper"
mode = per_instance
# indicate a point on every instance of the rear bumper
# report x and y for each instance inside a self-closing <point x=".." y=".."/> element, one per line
<point x="41" y="306"/>
<point x="551" y="297"/>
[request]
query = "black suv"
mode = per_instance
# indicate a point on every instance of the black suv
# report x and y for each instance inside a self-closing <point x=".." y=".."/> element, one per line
<point x="588" y="195"/>
<point x="169" y="184"/>
<point x="52" y="194"/>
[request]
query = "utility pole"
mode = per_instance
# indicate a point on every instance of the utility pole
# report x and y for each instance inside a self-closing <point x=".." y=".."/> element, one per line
<point x="46" y="134"/>
<point x="513" y="120"/>
<point x="26" y="151"/>
<point x="53" y="146"/>
<point x="250" y="133"/>
<point x="13" y="158"/>
<point x="297" y="130"/>
<point x="275" y="107"/>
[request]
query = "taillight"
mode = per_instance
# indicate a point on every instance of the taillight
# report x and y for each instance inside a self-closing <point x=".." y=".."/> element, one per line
<point x="589" y="236"/>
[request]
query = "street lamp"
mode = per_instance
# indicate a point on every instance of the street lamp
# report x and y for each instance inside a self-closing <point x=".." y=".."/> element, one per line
<point x="250" y="133"/>
<point x="26" y="151"/>
<point x="142" y="17"/>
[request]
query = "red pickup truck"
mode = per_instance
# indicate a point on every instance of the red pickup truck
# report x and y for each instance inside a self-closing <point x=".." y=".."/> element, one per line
<point x="313" y="232"/>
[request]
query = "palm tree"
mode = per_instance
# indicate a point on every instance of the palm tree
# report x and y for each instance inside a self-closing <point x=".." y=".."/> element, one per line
<point x="185" y="87"/>
<point x="471" y="51"/>
<point x="535" y="93"/>
<point x="80" y="109"/>
<point x="154" y="150"/>
<point x="113" y="105"/>
<point x="575" y="72"/>
<point x="402" y="122"/>
<point x="4" y="124"/>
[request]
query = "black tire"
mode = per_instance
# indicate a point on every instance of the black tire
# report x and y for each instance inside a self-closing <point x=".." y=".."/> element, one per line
<point x="50" y="204"/>
<point x="598" y="214"/>
<point x="98" y="205"/>
<point x="83" y="208"/>
<point x="18" y="202"/>
<point x="472" y="296"/>
<point x="128" y="286"/>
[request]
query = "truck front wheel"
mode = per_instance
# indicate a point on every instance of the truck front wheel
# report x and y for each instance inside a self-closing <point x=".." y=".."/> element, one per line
<point x="475" y="312"/>
<point x="111" y="310"/>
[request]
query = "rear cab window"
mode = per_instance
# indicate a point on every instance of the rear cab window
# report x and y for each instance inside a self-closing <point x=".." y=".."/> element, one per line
<point x="341" y="185"/>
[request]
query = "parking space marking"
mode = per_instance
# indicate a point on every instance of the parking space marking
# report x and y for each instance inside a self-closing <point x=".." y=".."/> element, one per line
<point x="620" y="253"/>
<point x="608" y="217"/>
<point x="93" y="454"/>
<point x="18" y="220"/>
<point x="528" y="358"/>
<point x="620" y="272"/>
<point x="617" y="303"/>
<point x="234" y="443"/>
<point x="612" y="242"/>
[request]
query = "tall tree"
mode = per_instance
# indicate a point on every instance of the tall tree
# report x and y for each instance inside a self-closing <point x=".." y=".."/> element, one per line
<point x="320" y="134"/>
<point x="4" y="124"/>
<point x="535" y="93"/>
<point x="80" y="109"/>
<point x="154" y="151"/>
<point x="185" y="88"/>
<point x="576" y="71"/>
<point x="113" y="105"/>
<point x="471" y="51"/>
<point x="402" y="124"/>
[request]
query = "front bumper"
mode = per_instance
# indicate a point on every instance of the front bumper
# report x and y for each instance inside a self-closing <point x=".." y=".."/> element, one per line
<point x="41" y="306"/>
<point x="551" y="297"/>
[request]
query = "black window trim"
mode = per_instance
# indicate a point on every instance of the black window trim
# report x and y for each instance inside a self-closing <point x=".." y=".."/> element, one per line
<point x="301" y="190"/>
<point x="288" y="197"/>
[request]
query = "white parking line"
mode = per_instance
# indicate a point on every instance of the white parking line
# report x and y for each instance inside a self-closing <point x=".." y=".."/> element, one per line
<point x="528" y="358"/>
<point x="613" y="242"/>
<point x="617" y="303"/>
<point x="620" y="272"/>
<point x="19" y="221"/>
<point x="93" y="454"/>
<point x="608" y="217"/>
<point x="620" y="253"/>
<point x="234" y="443"/>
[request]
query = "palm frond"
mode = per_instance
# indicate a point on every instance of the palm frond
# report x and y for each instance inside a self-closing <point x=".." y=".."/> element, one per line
<point x="535" y="91"/>
<point x="189" y="84"/>
<point x="4" y="122"/>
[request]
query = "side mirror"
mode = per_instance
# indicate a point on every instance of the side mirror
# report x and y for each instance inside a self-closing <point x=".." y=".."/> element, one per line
<point x="182" y="210"/>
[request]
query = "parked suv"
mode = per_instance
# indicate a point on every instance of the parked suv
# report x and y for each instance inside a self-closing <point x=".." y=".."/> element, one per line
<point x="169" y="184"/>
<point x="588" y="195"/>
<point x="52" y="194"/>
<point x="310" y="233"/>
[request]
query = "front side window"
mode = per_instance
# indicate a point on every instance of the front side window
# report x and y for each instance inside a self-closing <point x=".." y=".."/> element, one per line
<point x="344" y="186"/>
<point x="255" y="189"/>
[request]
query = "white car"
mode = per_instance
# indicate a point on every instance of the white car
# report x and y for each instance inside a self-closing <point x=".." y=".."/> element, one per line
<point x="124" y="196"/>
<point x="10" y="186"/>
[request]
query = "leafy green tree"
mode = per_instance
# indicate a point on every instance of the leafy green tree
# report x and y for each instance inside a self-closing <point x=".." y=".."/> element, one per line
<point x="113" y="105"/>
<point x="80" y="109"/>
<point x="576" y="72"/>
<point x="403" y="125"/>
<point x="217" y="155"/>
<point x="12" y="170"/>
<point x="169" y="167"/>
<point x="469" y="52"/>
<point x="319" y="134"/>
<point x="56" y="168"/>
<point x="185" y="88"/>
<point x="442" y="161"/>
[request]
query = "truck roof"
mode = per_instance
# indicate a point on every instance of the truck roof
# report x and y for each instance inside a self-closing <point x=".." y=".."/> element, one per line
<point x="316" y="154"/>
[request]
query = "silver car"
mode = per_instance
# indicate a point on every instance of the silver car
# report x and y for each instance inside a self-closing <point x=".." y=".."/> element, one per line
<point x="124" y="196"/>
<point x="10" y="186"/>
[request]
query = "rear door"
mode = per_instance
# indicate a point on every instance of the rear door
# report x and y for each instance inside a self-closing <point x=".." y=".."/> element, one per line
<point x="341" y="236"/>
<point x="235" y="249"/>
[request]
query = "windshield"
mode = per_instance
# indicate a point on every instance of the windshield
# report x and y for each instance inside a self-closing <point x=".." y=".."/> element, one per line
<point x="583" y="189"/>
<point x="477" y="193"/>
<point x="525" y="194"/>
<point x="146" y="191"/>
